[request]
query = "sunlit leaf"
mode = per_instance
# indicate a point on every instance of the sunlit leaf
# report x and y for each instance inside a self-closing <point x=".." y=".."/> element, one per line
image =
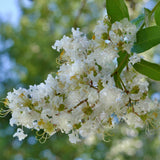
<point x="146" y="39"/>
<point x="116" y="10"/>
<point x="157" y="15"/>
<point x="148" y="69"/>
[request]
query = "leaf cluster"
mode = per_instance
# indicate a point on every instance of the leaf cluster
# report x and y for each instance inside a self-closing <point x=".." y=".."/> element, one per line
<point x="146" y="37"/>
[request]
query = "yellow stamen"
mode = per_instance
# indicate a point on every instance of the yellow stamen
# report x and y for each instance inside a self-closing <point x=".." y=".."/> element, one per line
<point x="6" y="102"/>
<point x="41" y="122"/>
<point x="21" y="95"/>
<point x="73" y="77"/>
<point x="62" y="53"/>
<point x="93" y="37"/>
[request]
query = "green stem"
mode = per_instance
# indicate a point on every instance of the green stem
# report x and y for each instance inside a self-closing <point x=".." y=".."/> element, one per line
<point x="125" y="89"/>
<point x="155" y="7"/>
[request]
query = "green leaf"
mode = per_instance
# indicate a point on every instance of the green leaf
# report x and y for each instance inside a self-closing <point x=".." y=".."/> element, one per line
<point x="151" y="70"/>
<point x="122" y="62"/>
<point x="117" y="81"/>
<point x="157" y="15"/>
<point x="146" y="39"/>
<point x="116" y="10"/>
<point x="138" y="21"/>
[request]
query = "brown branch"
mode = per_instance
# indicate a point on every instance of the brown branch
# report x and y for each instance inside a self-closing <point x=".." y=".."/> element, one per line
<point x="81" y="102"/>
<point x="91" y="85"/>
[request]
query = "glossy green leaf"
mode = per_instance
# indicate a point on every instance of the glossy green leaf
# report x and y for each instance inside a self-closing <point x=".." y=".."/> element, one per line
<point x="151" y="70"/>
<point x="157" y="15"/>
<point x="116" y="10"/>
<point x="146" y="39"/>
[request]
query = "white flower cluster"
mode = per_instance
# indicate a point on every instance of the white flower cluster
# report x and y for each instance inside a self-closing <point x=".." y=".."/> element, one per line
<point x="83" y="99"/>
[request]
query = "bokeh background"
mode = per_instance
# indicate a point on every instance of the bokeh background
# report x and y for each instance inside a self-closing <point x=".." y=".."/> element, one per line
<point x="28" y="29"/>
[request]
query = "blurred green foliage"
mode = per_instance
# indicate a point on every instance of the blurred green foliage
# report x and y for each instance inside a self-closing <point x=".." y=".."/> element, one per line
<point x="40" y="25"/>
<point x="27" y="50"/>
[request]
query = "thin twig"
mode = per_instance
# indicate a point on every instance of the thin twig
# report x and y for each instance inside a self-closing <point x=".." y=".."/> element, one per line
<point x="81" y="102"/>
<point x="91" y="85"/>
<point x="125" y="89"/>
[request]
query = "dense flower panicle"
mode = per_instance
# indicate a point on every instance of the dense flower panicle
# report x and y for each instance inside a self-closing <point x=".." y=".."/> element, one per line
<point x="83" y="99"/>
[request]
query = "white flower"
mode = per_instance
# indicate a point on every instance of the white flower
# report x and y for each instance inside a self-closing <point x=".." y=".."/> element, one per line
<point x="83" y="99"/>
<point x="134" y="59"/>
<point x="123" y="34"/>
<point x="93" y="96"/>
<point x="133" y="120"/>
<point x="73" y="138"/>
<point x="20" y="134"/>
<point x="100" y="28"/>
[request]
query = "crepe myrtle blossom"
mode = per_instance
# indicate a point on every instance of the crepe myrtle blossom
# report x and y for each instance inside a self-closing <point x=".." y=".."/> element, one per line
<point x="83" y="97"/>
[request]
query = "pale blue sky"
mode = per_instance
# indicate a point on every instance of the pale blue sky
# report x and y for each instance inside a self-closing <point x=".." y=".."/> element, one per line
<point x="9" y="11"/>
